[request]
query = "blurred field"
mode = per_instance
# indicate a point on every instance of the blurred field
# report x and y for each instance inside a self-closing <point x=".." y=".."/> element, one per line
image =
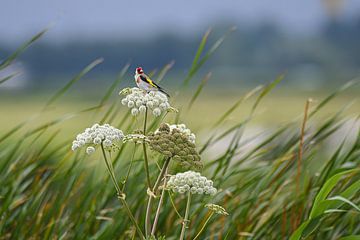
<point x="280" y="106"/>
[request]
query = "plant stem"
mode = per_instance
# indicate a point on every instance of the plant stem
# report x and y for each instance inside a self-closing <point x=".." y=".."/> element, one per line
<point x="301" y="144"/>
<point x="186" y="220"/>
<point x="146" y="162"/>
<point x="173" y="205"/>
<point x="121" y="195"/>
<point x="203" y="227"/>
<point x="129" y="169"/>
<point x="147" y="217"/>
<point x="161" y="175"/>
<point x="300" y="156"/>
<point x="154" y="189"/>
<point x="153" y="230"/>
<point x="146" y="165"/>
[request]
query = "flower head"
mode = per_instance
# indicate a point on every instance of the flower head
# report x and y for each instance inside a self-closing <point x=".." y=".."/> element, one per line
<point x="216" y="209"/>
<point x="138" y="101"/>
<point x="96" y="135"/>
<point x="191" y="182"/>
<point x="136" y="138"/>
<point x="90" y="150"/>
<point x="184" y="130"/>
<point x="175" y="143"/>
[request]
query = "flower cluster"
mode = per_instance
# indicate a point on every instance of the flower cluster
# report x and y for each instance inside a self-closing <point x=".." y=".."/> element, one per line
<point x="175" y="144"/>
<point x="191" y="182"/>
<point x="216" y="209"/>
<point x="138" y="101"/>
<point x="136" y="138"/>
<point x="184" y="130"/>
<point x="96" y="135"/>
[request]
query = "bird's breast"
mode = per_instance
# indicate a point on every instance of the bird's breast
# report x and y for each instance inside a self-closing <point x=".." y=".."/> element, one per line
<point x="137" y="79"/>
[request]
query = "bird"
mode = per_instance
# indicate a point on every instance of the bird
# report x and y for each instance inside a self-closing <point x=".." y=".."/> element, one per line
<point x="145" y="83"/>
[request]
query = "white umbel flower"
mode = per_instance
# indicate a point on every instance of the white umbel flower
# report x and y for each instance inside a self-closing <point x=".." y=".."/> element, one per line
<point x="138" y="100"/>
<point x="157" y="112"/>
<point x="90" y="150"/>
<point x="136" y="138"/>
<point x="191" y="181"/>
<point x="142" y="109"/>
<point x="134" y="111"/>
<point x="96" y="135"/>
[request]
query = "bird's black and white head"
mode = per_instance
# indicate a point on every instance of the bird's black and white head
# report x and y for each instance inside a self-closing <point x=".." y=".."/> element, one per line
<point x="139" y="70"/>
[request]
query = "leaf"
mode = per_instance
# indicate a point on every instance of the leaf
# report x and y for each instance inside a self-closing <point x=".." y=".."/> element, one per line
<point x="114" y="85"/>
<point x="198" y="63"/>
<point x="306" y="228"/>
<point x="297" y="234"/>
<point x="200" y="49"/>
<point x="266" y="90"/>
<point x="199" y="89"/>
<point x="321" y="204"/>
<point x="318" y="208"/>
<point x="237" y="104"/>
<point x="20" y="50"/>
<point x="345" y="200"/>
<point x="333" y="95"/>
<point x="163" y="71"/>
<point x="5" y="79"/>
<point x="12" y="131"/>
<point x="311" y="226"/>
<point x="73" y="81"/>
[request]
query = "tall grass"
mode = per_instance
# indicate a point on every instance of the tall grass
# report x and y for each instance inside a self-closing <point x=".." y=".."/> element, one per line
<point x="49" y="192"/>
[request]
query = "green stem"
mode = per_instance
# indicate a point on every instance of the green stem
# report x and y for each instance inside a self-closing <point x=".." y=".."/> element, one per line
<point x="147" y="217"/>
<point x="173" y="205"/>
<point x="146" y="162"/>
<point x="129" y="169"/>
<point x="146" y="165"/>
<point x="121" y="195"/>
<point x="186" y="217"/>
<point x="110" y="170"/>
<point x="161" y="175"/>
<point x="203" y="227"/>
<point x="153" y="230"/>
<point x="154" y="189"/>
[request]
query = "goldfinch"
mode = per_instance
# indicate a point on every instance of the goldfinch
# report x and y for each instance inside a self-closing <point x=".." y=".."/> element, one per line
<point x="145" y="83"/>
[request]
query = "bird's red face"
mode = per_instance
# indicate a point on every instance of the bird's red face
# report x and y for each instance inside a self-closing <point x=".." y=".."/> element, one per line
<point x="139" y="70"/>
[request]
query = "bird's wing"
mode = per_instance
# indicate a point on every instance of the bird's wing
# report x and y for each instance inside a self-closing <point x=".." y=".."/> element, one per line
<point x="146" y="79"/>
<point x="149" y="81"/>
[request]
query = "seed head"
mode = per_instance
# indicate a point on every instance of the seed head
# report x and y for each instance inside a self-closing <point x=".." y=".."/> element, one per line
<point x="181" y="128"/>
<point x="173" y="142"/>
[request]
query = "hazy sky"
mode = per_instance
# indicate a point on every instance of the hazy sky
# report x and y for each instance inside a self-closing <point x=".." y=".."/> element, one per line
<point x="74" y="19"/>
